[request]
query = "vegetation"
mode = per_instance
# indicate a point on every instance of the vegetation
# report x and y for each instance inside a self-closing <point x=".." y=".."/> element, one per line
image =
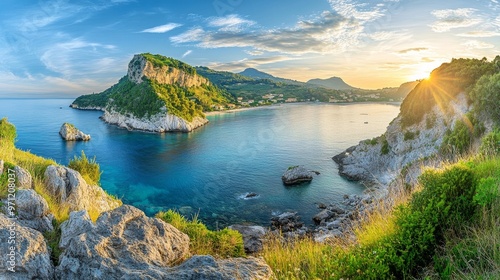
<point x="162" y="61"/>
<point x="445" y="83"/>
<point x="385" y="149"/>
<point x="486" y="95"/>
<point x="223" y="243"/>
<point x="89" y="169"/>
<point x="410" y="135"/>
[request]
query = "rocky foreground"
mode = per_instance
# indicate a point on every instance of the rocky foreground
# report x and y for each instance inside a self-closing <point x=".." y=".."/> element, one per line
<point x="123" y="243"/>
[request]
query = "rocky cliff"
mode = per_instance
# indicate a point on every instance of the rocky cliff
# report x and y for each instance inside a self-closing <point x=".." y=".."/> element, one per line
<point x="158" y="94"/>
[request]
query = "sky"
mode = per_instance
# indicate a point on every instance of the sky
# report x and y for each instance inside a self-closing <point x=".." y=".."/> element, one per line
<point x="68" y="48"/>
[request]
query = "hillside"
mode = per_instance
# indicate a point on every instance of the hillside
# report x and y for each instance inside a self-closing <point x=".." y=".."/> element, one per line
<point x="256" y="74"/>
<point x="158" y="94"/>
<point x="331" y="83"/>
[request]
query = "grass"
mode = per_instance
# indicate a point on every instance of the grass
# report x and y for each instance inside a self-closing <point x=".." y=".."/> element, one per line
<point x="222" y="244"/>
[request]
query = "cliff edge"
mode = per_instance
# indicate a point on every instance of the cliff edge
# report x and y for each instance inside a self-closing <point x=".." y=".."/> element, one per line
<point x="158" y="94"/>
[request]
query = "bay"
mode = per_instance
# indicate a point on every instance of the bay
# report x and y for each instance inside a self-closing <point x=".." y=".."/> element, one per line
<point x="209" y="171"/>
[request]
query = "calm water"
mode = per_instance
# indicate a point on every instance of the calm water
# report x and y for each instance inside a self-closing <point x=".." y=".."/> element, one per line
<point x="209" y="170"/>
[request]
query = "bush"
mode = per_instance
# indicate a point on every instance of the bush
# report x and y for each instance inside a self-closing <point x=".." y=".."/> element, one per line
<point x="458" y="140"/>
<point x="490" y="144"/>
<point x="7" y="131"/>
<point x="486" y="96"/>
<point x="445" y="202"/>
<point x="409" y="135"/>
<point x="224" y="243"/>
<point x="89" y="169"/>
<point x="385" y="149"/>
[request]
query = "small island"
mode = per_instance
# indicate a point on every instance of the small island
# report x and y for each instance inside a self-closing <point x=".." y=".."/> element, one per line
<point x="70" y="133"/>
<point x="295" y="175"/>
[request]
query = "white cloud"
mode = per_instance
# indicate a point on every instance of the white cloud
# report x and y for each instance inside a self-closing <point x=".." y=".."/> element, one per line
<point x="451" y="19"/>
<point x="352" y="9"/>
<point x="480" y="34"/>
<point x="255" y="53"/>
<point x="326" y="33"/>
<point x="189" y="36"/>
<point x="187" y="53"/>
<point x="229" y="23"/>
<point x="474" y="44"/>
<point x="162" y="28"/>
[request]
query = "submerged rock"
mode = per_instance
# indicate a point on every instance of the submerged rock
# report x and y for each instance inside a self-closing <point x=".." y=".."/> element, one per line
<point x="32" y="257"/>
<point x="70" y="133"/>
<point x="297" y="174"/>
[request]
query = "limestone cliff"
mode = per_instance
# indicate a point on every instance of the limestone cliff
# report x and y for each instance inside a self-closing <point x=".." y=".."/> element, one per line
<point x="158" y="94"/>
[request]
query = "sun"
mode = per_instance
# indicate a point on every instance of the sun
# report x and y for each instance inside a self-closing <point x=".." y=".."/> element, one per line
<point x="421" y="72"/>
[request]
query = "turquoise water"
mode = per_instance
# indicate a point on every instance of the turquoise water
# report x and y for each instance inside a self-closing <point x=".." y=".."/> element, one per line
<point x="209" y="170"/>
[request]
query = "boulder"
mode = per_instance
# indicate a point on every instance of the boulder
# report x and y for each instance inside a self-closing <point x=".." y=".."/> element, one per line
<point x="23" y="178"/>
<point x="206" y="267"/>
<point x="33" y="211"/>
<point x="123" y="242"/>
<point x="287" y="221"/>
<point x="323" y="216"/>
<point x="252" y="237"/>
<point x="297" y="174"/>
<point x="32" y="259"/>
<point x="70" y="188"/>
<point x="70" y="133"/>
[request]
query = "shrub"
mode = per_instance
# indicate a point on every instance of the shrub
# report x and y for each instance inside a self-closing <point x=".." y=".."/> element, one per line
<point x="7" y="131"/>
<point x="409" y="135"/>
<point x="385" y="149"/>
<point x="223" y="243"/>
<point x="445" y="202"/>
<point x="89" y="169"/>
<point x="490" y="144"/>
<point x="458" y="140"/>
<point x="486" y="96"/>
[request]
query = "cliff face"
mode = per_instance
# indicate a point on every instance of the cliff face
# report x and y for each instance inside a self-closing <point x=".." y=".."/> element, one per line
<point x="139" y="67"/>
<point x="158" y="94"/>
<point x="406" y="146"/>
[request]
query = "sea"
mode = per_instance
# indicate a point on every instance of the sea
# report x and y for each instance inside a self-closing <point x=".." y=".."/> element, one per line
<point x="208" y="173"/>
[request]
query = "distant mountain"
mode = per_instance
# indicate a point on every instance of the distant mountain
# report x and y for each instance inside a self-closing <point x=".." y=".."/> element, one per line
<point x="257" y="74"/>
<point x="331" y="83"/>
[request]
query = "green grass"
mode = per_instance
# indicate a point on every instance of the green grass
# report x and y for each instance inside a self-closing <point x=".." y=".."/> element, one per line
<point x="222" y="244"/>
<point x="89" y="169"/>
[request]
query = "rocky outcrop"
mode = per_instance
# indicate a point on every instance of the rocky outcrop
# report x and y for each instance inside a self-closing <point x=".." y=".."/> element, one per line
<point x="206" y="267"/>
<point x="31" y="255"/>
<point x="23" y="178"/>
<point x="365" y="162"/>
<point x="33" y="211"/>
<point x="123" y="242"/>
<point x="252" y="237"/>
<point x="161" y="122"/>
<point x="139" y="67"/>
<point x="297" y="174"/>
<point x="68" y="186"/>
<point x="90" y="108"/>
<point x="70" y="133"/>
<point x="288" y="222"/>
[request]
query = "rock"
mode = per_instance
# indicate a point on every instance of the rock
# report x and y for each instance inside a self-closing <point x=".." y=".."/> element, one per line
<point x="32" y="257"/>
<point x="288" y="221"/>
<point x="252" y="237"/>
<point x="251" y="195"/>
<point x="296" y="175"/>
<point x="23" y="178"/>
<point x="206" y="267"/>
<point x="70" y="133"/>
<point x="33" y="211"/>
<point x="321" y="206"/>
<point x="70" y="188"/>
<point x="123" y="244"/>
<point x="161" y="122"/>
<point x="323" y="216"/>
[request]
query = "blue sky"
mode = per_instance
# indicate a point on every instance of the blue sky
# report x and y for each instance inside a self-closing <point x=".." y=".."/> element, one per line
<point x="68" y="48"/>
